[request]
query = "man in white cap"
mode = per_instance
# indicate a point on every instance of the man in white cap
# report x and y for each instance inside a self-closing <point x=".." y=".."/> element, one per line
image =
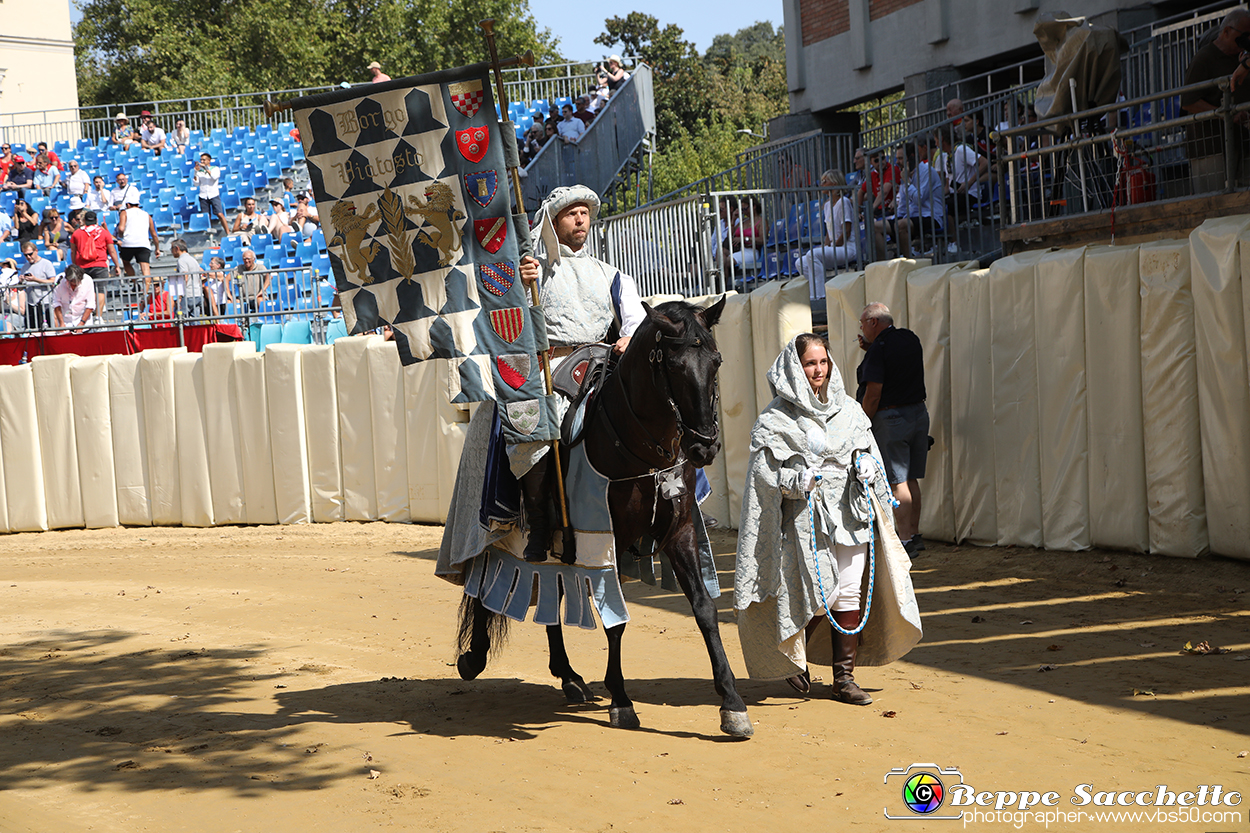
<point x="375" y="69"/>
<point x="583" y="298"/>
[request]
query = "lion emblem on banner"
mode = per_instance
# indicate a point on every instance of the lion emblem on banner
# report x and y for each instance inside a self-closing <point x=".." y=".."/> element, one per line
<point x="439" y="210"/>
<point x="350" y="231"/>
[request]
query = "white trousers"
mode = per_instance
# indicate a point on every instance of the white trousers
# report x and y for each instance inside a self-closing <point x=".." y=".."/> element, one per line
<point x="852" y="562"/>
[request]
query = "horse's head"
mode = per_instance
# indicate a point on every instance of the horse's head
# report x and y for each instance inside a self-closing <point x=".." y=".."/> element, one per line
<point x="684" y="359"/>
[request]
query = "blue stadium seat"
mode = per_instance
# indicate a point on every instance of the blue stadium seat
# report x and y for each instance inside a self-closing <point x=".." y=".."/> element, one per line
<point x="62" y="203"/>
<point x="336" y="330"/>
<point x="85" y="144"/>
<point x="325" y="293"/>
<point x="303" y="283"/>
<point x="199" y="222"/>
<point x="297" y="151"/>
<point x="297" y="332"/>
<point x="321" y="265"/>
<point x="245" y="189"/>
<point x="260" y="242"/>
<point x="164" y="219"/>
<point x="259" y="178"/>
<point x="286" y="161"/>
<point x="273" y="256"/>
<point x="229" y="200"/>
<point x="166" y="196"/>
<point x="291" y="263"/>
<point x="305" y="251"/>
<point x="319" y="239"/>
<point x="263" y="130"/>
<point x="218" y="135"/>
<point x="273" y="171"/>
<point x="289" y="241"/>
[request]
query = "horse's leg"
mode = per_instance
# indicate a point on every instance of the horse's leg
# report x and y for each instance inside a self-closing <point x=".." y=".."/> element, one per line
<point x="683" y="553"/>
<point x="571" y="683"/>
<point x="474" y="637"/>
<point x="621" y="712"/>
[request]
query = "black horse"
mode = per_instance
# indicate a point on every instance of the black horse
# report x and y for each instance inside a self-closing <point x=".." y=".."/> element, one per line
<point x="656" y="413"/>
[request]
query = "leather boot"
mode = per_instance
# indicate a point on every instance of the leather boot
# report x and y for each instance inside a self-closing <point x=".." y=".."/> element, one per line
<point x="537" y="513"/>
<point x="844" y="648"/>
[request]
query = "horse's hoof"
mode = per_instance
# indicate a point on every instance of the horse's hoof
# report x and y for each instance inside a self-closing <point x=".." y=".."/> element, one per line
<point x="623" y="717"/>
<point x="576" y="691"/>
<point x="468" y="666"/>
<point x="736" y="724"/>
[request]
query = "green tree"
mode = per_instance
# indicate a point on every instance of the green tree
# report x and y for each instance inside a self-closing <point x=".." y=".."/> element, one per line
<point x="755" y="43"/>
<point x="147" y="50"/>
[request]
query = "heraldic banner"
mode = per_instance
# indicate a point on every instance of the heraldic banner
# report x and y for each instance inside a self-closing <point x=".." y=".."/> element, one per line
<point x="412" y="190"/>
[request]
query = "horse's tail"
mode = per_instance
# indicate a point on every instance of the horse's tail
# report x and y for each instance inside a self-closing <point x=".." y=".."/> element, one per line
<point x="482" y="634"/>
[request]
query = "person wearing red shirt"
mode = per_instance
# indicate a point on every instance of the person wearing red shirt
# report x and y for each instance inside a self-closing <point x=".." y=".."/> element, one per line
<point x="882" y="181"/>
<point x="42" y="148"/>
<point x="97" y="265"/>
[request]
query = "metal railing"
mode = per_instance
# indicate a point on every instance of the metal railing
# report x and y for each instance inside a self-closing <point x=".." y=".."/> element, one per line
<point x="526" y="84"/>
<point x="604" y="150"/>
<point x="666" y="248"/>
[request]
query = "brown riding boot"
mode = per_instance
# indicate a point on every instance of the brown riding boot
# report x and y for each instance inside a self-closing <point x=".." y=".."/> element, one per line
<point x="844" y="648"/>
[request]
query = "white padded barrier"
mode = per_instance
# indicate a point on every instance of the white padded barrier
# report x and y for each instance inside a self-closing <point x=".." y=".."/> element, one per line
<point x="973" y="484"/>
<point x="435" y="437"/>
<point x="844" y="303"/>
<point x="4" y="498"/>
<point x="130" y="455"/>
<point x="160" y="422"/>
<point x="54" y="405"/>
<point x="1063" y="442"/>
<point x="928" y="298"/>
<point x="351" y="371"/>
<point x="1169" y="386"/>
<point x="260" y="505"/>
<point x="886" y="282"/>
<point x="1113" y="362"/>
<point x="284" y="393"/>
<point x="1013" y="350"/>
<point x="225" y="456"/>
<point x="390" y="434"/>
<point x="21" y="451"/>
<point x="321" y="425"/>
<point x="716" y="505"/>
<point x="1223" y="393"/>
<point x="737" y="395"/>
<point x="93" y="435"/>
<point x="194" y="486"/>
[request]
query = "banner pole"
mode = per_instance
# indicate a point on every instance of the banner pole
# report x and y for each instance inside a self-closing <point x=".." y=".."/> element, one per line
<point x="501" y="98"/>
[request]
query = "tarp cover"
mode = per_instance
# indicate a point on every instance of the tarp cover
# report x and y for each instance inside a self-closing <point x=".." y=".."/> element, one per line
<point x="972" y="412"/>
<point x="1077" y="50"/>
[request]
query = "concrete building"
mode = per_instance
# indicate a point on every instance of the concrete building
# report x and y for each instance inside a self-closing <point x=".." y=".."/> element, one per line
<point x="37" y="66"/>
<point x="842" y="52"/>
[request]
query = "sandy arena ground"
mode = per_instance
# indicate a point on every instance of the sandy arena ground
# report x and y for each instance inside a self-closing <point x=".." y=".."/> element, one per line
<point x="300" y="679"/>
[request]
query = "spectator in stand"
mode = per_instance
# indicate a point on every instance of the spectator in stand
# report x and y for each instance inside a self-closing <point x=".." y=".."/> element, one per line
<point x="186" y="289"/>
<point x="47" y="177"/>
<point x="12" y="298"/>
<point x="122" y="134"/>
<point x="6" y="161"/>
<point x="571" y="129"/>
<point x="1204" y="140"/>
<point x="746" y="233"/>
<point x="99" y="198"/>
<point x="840" y="245"/>
<point x="878" y="185"/>
<point x="615" y="73"/>
<point x="54" y="232"/>
<point x="77" y="184"/>
<point x="137" y="241"/>
<point x="180" y="137"/>
<point x="151" y="136"/>
<point x="6" y="227"/>
<point x="583" y="110"/>
<point x="306" y="218"/>
<point x="550" y="129"/>
<point x="207" y="179"/>
<point x="279" y="219"/>
<point x="90" y="247"/>
<point x="159" y="307"/>
<point x="249" y="221"/>
<point x="288" y="193"/>
<point x="217" y="287"/>
<point x="255" y="282"/>
<point x="601" y="93"/>
<point x="20" y="176"/>
<point x="39" y="275"/>
<point x="25" y="221"/>
<point x="966" y="171"/>
<point x="532" y="143"/>
<point x="124" y="194"/>
<point x="921" y="207"/>
<point x="375" y="70"/>
<point x="41" y="149"/>
<point x="74" y="299"/>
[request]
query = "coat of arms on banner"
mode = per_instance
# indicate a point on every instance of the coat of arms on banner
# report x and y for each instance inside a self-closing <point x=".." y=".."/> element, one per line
<point x="497" y="278"/>
<point x="466" y="97"/>
<point x="481" y="186"/>
<point x="440" y="213"/>
<point x="524" y="415"/>
<point x="507" y="323"/>
<point x="514" y="368"/>
<point x="473" y="143"/>
<point x="491" y="232"/>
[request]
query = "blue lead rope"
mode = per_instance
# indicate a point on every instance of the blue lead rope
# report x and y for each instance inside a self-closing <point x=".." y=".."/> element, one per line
<point x="872" y="551"/>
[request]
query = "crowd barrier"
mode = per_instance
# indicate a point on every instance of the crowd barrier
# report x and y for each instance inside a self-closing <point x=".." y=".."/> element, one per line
<point x="1087" y="397"/>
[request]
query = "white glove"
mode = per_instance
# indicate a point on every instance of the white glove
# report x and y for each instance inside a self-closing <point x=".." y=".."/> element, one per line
<point x="866" y="469"/>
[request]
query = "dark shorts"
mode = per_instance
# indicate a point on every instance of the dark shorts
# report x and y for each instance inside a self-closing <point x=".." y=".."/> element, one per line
<point x="212" y="206"/>
<point x="190" y="306"/>
<point x="141" y="254"/>
<point x="97" y="273"/>
<point x="924" y="227"/>
<point x="902" y="434"/>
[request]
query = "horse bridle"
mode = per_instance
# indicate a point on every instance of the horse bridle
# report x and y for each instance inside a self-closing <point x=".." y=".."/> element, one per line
<point x="655" y="358"/>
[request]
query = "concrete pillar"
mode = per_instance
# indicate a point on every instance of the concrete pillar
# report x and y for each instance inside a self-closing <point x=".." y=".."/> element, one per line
<point x="939" y="83"/>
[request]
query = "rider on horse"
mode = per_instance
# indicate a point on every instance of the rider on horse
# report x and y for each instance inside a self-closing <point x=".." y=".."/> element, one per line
<point x="582" y="298"/>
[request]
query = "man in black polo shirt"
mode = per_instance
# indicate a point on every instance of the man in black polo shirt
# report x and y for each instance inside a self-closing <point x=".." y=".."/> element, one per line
<point x="891" y="391"/>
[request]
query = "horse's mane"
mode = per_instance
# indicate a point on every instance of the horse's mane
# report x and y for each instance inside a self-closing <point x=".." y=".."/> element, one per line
<point x="680" y="312"/>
